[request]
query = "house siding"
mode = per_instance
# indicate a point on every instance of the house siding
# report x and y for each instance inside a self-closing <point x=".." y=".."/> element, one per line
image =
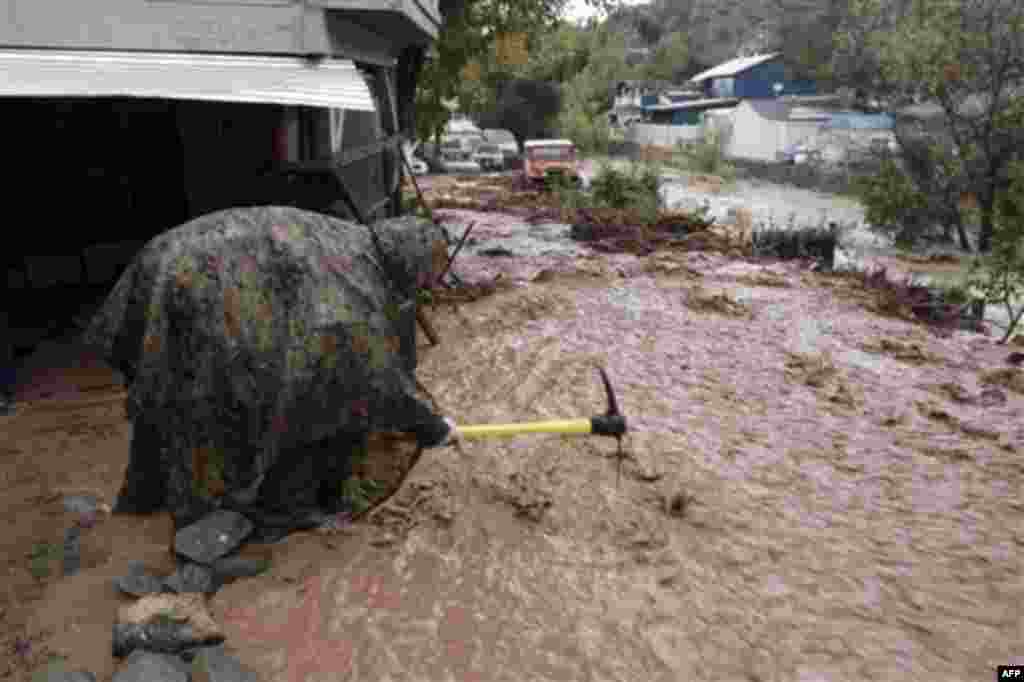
<point x="678" y="117"/>
<point x="760" y="138"/>
<point x="758" y="81"/>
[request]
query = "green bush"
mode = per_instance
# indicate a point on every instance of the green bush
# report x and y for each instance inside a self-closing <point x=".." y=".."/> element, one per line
<point x="708" y="156"/>
<point x="358" y="493"/>
<point x="590" y="134"/>
<point x="635" y="190"/>
<point x="892" y="204"/>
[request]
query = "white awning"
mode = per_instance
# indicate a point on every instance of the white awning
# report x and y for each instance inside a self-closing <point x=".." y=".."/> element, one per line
<point x="334" y="83"/>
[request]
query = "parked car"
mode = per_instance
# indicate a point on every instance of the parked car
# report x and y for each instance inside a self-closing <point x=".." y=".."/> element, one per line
<point x="460" y="166"/>
<point x="550" y="160"/>
<point x="505" y="140"/>
<point x="453" y="150"/>
<point x="489" y="156"/>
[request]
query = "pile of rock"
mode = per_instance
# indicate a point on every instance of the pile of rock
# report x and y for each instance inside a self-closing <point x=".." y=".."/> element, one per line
<point x="168" y="634"/>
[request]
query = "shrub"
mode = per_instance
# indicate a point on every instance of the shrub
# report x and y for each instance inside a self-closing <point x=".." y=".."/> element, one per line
<point x="589" y="134"/>
<point x="636" y="190"/>
<point x="708" y="156"/>
<point x="892" y="204"/>
<point x="810" y="241"/>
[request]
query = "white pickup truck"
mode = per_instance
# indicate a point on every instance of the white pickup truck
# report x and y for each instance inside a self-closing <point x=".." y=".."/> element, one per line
<point x="489" y="156"/>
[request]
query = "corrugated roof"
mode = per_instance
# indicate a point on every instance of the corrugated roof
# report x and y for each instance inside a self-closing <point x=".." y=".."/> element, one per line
<point x="783" y="110"/>
<point x="859" y="121"/>
<point x="334" y="83"/>
<point x="693" y="104"/>
<point x="734" y="66"/>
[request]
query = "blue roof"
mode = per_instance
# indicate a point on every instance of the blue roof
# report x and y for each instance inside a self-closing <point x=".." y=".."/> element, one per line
<point x="861" y="121"/>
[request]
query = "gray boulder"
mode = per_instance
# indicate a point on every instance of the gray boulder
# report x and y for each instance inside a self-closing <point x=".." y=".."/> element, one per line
<point x="213" y="536"/>
<point x="145" y="666"/>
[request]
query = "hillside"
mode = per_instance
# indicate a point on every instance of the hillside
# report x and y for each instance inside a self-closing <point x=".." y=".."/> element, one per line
<point x="717" y="29"/>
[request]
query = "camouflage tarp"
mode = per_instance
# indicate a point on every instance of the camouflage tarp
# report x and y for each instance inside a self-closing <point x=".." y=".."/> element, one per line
<point x="260" y="346"/>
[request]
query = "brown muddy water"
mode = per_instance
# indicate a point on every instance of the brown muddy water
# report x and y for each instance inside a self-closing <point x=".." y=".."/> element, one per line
<point x="812" y="493"/>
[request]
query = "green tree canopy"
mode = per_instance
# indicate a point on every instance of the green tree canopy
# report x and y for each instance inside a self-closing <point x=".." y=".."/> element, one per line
<point x="968" y="58"/>
<point x="670" y="58"/>
<point x="473" y="32"/>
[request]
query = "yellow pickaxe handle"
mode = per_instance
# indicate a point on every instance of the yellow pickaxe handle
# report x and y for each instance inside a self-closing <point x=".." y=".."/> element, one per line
<point x="556" y="426"/>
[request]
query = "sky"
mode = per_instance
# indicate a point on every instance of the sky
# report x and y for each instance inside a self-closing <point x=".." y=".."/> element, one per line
<point x="577" y="9"/>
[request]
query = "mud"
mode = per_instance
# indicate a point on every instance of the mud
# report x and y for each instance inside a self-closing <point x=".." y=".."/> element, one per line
<point x="812" y="492"/>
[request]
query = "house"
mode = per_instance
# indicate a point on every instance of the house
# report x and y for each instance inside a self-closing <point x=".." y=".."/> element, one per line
<point x="667" y="125"/>
<point x="630" y="97"/>
<point x="762" y="129"/>
<point x="852" y="136"/>
<point x="757" y="76"/>
<point x="134" y="116"/>
<point x="687" y="112"/>
<point x="760" y="78"/>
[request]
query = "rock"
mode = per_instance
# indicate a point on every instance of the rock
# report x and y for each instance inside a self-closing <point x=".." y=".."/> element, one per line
<point x="214" y="664"/>
<point x="163" y="637"/>
<point x="213" y="536"/>
<point x="57" y="671"/>
<point x="72" y="557"/>
<point x="81" y="504"/>
<point x="138" y="582"/>
<point x="143" y="666"/>
<point x="165" y="623"/>
<point x="1015" y="359"/>
<point x="496" y="251"/>
<point x="229" y="568"/>
<point x="192" y="577"/>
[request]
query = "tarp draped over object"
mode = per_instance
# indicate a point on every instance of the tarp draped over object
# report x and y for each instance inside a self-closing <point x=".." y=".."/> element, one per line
<point x="251" y="332"/>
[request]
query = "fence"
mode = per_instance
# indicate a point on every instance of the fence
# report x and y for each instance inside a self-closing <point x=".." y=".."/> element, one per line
<point x="661" y="135"/>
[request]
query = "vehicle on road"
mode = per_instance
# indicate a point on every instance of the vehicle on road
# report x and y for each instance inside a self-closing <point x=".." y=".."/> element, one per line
<point x="460" y="166"/>
<point x="551" y="161"/>
<point x="489" y="156"/>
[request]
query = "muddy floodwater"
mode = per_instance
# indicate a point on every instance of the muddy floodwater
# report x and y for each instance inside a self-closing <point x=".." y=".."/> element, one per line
<point x="811" y="492"/>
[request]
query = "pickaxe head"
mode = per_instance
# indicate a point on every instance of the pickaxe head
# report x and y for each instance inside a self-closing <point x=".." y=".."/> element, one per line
<point x="611" y="423"/>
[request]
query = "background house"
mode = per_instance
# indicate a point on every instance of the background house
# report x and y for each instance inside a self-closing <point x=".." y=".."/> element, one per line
<point x="758" y="76"/>
<point x="852" y="136"/>
<point x="631" y="96"/>
<point x="666" y="125"/>
<point x="758" y="132"/>
<point x="762" y="129"/>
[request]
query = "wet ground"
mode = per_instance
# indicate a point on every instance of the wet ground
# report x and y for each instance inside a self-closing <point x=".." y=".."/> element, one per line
<point x="812" y="492"/>
<point x="768" y="204"/>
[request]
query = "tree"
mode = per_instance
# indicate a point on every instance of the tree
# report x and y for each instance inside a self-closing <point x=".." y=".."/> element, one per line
<point x="670" y="59"/>
<point x="807" y="42"/>
<point x="471" y="32"/>
<point x="1000" y="276"/>
<point x="968" y="57"/>
<point x="526" y="108"/>
<point x="556" y="55"/>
